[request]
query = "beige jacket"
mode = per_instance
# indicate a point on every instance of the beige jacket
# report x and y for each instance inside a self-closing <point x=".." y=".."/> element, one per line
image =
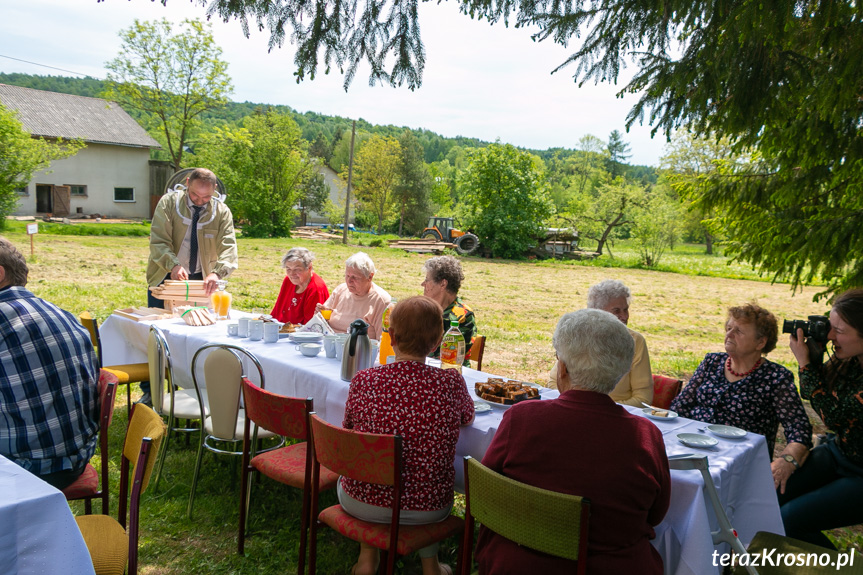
<point x="217" y="242"/>
<point x="634" y="387"/>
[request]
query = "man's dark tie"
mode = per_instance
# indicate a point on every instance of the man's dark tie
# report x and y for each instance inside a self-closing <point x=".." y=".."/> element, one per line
<point x="193" y="239"/>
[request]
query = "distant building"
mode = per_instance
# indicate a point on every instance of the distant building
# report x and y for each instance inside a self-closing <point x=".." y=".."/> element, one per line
<point x="337" y="195"/>
<point x="111" y="176"/>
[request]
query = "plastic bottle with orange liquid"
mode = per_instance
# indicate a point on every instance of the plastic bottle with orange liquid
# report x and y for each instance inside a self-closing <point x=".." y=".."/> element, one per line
<point x="386" y="343"/>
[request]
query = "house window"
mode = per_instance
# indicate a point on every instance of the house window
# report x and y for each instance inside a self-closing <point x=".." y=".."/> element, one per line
<point x="22" y="191"/>
<point x="124" y="194"/>
<point x="77" y="190"/>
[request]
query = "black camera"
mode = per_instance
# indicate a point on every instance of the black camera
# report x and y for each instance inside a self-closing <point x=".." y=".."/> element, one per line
<point x="816" y="328"/>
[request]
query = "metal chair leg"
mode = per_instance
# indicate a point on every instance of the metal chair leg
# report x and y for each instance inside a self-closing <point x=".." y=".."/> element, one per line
<point x="195" y="475"/>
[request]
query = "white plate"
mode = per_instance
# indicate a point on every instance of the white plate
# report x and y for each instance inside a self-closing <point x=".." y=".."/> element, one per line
<point x="307" y="337"/>
<point x="696" y="440"/>
<point x="480" y="406"/>
<point x="648" y="412"/>
<point x="727" y="431"/>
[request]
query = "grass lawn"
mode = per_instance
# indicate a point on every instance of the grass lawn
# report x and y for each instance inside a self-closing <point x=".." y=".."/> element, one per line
<point x="517" y="305"/>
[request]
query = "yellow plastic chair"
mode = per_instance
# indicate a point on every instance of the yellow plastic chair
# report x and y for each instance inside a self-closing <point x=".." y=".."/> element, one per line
<point x="127" y="373"/>
<point x="547" y="521"/>
<point x="111" y="546"/>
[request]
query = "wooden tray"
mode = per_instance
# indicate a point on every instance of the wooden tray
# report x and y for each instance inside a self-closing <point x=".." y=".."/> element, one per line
<point x="143" y="313"/>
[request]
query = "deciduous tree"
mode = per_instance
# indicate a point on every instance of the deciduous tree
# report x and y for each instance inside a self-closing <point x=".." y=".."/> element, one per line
<point x="413" y="190"/>
<point x="264" y="165"/>
<point x="375" y="175"/>
<point x="171" y="77"/>
<point x="598" y="214"/>
<point x="21" y="155"/>
<point x="505" y="198"/>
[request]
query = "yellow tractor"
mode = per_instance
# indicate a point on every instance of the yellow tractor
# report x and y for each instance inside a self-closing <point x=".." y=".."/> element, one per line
<point x="441" y="229"/>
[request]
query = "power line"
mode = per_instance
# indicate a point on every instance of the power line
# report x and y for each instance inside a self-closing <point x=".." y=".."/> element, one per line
<point x="44" y="65"/>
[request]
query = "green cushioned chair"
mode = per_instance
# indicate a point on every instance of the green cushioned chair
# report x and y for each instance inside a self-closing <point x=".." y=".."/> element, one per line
<point x="111" y="546"/>
<point x="547" y="521"/>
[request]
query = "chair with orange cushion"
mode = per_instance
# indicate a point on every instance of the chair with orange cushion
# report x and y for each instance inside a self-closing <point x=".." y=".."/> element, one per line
<point x="665" y="389"/>
<point x="371" y="458"/>
<point x="128" y="373"/>
<point x="476" y="351"/>
<point x="88" y="486"/>
<point x="291" y="465"/>
<point x="113" y="543"/>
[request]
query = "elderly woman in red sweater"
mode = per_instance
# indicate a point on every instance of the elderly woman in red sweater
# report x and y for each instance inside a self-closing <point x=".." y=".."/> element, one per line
<point x="426" y="405"/>
<point x="599" y="451"/>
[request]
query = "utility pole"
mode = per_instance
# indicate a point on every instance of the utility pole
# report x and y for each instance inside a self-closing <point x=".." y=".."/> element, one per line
<point x="350" y="176"/>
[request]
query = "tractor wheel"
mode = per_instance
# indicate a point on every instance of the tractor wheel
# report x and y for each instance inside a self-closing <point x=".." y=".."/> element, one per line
<point x="431" y="235"/>
<point x="466" y="244"/>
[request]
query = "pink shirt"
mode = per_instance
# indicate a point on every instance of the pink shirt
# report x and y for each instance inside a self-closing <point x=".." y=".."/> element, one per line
<point x="347" y="307"/>
<point x="426" y="406"/>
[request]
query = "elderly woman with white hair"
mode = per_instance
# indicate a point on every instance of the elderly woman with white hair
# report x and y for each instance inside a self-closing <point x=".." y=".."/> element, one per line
<point x="302" y="289"/>
<point x="636" y="385"/>
<point x="358" y="298"/>
<point x="600" y="451"/>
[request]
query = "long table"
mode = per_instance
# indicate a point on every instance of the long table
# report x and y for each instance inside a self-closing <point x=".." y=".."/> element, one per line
<point x="740" y="468"/>
<point x="38" y="533"/>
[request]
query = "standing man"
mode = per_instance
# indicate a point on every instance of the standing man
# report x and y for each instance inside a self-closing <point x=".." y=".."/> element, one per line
<point x="191" y="238"/>
<point x="49" y="382"/>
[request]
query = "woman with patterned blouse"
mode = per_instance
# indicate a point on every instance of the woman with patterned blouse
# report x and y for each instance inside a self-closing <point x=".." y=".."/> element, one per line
<point x="827" y="492"/>
<point x="426" y="406"/>
<point x="742" y="388"/>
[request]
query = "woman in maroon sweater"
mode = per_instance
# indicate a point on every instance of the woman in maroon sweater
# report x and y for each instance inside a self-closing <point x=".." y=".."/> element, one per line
<point x="585" y="444"/>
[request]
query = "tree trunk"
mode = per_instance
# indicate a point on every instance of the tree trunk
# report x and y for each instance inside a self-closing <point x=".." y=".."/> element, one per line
<point x="402" y="218"/>
<point x="708" y="241"/>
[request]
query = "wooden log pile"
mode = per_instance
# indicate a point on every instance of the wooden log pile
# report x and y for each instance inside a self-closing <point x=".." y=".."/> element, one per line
<point x="179" y="293"/>
<point x="312" y="233"/>
<point x="421" y="246"/>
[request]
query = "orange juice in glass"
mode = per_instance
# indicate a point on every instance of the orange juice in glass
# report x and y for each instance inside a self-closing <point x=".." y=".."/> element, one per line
<point x="221" y="301"/>
<point x="326" y="313"/>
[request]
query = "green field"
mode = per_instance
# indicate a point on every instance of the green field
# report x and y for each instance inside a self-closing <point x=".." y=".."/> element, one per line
<point x="517" y="305"/>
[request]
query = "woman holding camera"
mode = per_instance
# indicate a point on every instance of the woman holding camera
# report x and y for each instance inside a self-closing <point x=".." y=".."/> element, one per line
<point x="742" y="388"/>
<point x="826" y="492"/>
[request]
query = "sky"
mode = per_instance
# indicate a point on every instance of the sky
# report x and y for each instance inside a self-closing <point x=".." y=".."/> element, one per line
<point x="481" y="81"/>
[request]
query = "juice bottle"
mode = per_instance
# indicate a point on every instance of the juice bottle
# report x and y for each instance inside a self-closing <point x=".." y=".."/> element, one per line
<point x="386" y="343"/>
<point x="222" y="301"/>
<point x="452" y="348"/>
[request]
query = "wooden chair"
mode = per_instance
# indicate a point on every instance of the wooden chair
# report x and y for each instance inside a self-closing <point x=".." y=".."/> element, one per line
<point x="127" y="373"/>
<point x="226" y="422"/>
<point x="784" y="546"/>
<point x="476" y="351"/>
<point x="371" y="458"/>
<point x="547" y="521"/>
<point x="726" y="533"/>
<point x="291" y="465"/>
<point x="665" y="389"/>
<point x="169" y="401"/>
<point x="89" y="486"/>
<point x="111" y="546"/>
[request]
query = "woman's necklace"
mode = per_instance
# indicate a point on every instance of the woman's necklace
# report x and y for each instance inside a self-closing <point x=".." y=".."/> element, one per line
<point x="736" y="374"/>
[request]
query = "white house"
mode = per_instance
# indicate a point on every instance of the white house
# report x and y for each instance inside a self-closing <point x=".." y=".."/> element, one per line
<point x="111" y="176"/>
<point x="338" y="191"/>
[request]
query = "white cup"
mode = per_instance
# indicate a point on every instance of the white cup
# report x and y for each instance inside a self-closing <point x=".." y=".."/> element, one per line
<point x="271" y="332"/>
<point x="233" y="329"/>
<point x="243" y="327"/>
<point x="256" y="329"/>
<point x="340" y="344"/>
<point x="309" y="349"/>
<point x="375" y="349"/>
<point x="330" y="342"/>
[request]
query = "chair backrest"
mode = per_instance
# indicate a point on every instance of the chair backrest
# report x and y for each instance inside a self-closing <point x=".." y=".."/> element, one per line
<point x="285" y="416"/>
<point x="223" y="374"/>
<point x="665" y="389"/>
<point x="547" y="521"/>
<point x="108" y="383"/>
<point x="367" y="457"/>
<point x="92" y="326"/>
<point x="476" y="351"/>
<point x="140" y="449"/>
<point x="159" y="358"/>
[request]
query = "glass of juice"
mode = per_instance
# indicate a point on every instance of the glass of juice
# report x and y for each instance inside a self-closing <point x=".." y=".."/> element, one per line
<point x="222" y="301"/>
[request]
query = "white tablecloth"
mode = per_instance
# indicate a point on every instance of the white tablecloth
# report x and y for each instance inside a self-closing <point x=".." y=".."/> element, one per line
<point x="740" y="468"/>
<point x="38" y="534"/>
